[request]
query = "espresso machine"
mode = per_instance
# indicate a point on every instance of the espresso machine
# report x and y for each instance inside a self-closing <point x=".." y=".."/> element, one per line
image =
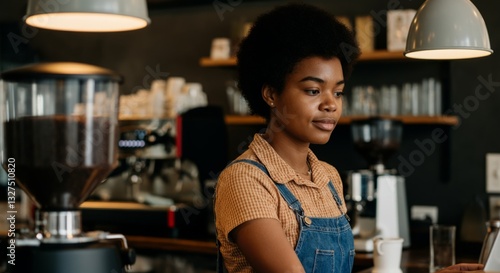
<point x="377" y="195"/>
<point x="153" y="182"/>
<point x="146" y="149"/>
<point x="59" y="126"/>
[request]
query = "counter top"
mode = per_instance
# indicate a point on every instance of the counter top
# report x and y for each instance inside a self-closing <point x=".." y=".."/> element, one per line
<point x="413" y="260"/>
<point x="170" y="244"/>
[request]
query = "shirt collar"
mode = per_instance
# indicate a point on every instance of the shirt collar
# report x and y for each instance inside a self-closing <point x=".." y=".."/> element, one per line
<point x="282" y="172"/>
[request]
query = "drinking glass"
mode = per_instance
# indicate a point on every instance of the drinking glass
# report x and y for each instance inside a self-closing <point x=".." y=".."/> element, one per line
<point x="442" y="247"/>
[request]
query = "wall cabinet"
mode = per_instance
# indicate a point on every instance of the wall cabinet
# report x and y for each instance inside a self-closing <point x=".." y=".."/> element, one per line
<point x="375" y="56"/>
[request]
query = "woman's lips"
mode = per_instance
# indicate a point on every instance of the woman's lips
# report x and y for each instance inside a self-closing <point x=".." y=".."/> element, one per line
<point x="325" y="124"/>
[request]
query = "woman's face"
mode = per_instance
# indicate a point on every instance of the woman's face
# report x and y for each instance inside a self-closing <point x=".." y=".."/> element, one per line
<point x="310" y="105"/>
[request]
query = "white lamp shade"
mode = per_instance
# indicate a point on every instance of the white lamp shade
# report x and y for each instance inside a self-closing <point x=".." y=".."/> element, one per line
<point x="447" y="30"/>
<point x="88" y="15"/>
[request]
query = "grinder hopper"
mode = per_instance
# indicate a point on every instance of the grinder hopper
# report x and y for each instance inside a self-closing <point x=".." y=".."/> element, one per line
<point x="60" y="135"/>
<point x="377" y="139"/>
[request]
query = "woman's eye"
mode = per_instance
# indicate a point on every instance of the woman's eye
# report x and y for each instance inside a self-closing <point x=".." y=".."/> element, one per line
<point x="339" y="94"/>
<point x="312" y="91"/>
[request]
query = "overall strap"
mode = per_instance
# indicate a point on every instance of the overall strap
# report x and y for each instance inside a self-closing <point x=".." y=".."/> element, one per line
<point x="252" y="162"/>
<point x="337" y="199"/>
<point x="292" y="201"/>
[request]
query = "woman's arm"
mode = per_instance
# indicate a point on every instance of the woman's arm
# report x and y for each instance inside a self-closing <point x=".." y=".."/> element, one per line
<point x="266" y="247"/>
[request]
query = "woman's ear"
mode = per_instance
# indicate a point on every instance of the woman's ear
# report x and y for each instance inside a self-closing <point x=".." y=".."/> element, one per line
<point x="269" y="95"/>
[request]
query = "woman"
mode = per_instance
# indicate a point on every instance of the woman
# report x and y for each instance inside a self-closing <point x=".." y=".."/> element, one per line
<point x="278" y="208"/>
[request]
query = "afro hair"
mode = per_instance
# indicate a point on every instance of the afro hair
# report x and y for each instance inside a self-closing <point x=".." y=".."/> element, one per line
<point x="280" y="39"/>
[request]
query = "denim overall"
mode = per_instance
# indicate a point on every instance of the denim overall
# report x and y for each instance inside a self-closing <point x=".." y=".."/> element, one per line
<point x="325" y="245"/>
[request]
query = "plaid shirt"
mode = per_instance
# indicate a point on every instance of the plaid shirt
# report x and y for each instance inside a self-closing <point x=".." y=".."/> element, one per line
<point x="244" y="193"/>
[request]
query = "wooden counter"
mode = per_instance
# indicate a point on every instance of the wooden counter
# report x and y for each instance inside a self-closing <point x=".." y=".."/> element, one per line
<point x="170" y="244"/>
<point x="413" y="260"/>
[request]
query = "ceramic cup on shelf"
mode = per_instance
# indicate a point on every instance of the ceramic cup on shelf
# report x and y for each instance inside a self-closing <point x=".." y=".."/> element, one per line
<point x="387" y="255"/>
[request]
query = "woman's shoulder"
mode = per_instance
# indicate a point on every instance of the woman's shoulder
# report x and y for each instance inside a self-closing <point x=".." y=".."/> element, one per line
<point x="246" y="162"/>
<point x="332" y="173"/>
<point x="244" y="168"/>
<point x="243" y="180"/>
<point x="329" y="168"/>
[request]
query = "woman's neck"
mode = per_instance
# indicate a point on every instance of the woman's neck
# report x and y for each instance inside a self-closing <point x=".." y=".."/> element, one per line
<point x="292" y="152"/>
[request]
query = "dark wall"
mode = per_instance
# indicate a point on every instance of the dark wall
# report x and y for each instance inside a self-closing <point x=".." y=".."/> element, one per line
<point x="450" y="176"/>
<point x="479" y="130"/>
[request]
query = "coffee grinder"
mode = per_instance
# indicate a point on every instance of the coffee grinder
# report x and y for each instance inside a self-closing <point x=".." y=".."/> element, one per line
<point x="377" y="194"/>
<point x="59" y="125"/>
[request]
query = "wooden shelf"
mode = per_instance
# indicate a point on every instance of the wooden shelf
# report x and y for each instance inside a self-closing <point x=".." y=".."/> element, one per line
<point x="443" y="120"/>
<point x="378" y="55"/>
<point x="208" y="62"/>
<point x="383" y="55"/>
<point x="431" y="120"/>
<point x="244" y="120"/>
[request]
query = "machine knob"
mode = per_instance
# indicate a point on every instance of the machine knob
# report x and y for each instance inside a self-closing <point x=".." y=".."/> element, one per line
<point x="128" y="256"/>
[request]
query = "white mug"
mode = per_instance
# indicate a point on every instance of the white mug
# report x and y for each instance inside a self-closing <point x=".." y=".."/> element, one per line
<point x="387" y="255"/>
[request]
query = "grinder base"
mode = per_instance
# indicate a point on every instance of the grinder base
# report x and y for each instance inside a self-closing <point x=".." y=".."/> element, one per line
<point x="75" y="258"/>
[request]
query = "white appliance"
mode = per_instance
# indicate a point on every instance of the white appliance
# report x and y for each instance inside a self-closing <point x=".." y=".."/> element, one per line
<point x="391" y="216"/>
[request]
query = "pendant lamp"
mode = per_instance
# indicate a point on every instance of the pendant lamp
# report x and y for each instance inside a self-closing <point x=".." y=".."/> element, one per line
<point x="88" y="15"/>
<point x="447" y="30"/>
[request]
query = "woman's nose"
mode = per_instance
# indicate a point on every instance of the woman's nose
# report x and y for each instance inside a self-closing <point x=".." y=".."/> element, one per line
<point x="330" y="103"/>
